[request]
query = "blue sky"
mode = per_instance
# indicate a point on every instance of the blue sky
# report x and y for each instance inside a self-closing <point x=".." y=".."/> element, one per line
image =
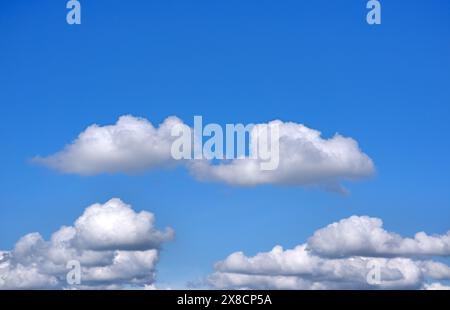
<point x="313" y="62"/>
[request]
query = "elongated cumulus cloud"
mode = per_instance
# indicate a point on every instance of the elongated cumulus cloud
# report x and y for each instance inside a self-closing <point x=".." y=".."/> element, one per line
<point x="366" y="236"/>
<point x="305" y="158"/>
<point x="131" y="145"/>
<point x="115" y="246"/>
<point x="344" y="255"/>
<point x="134" y="144"/>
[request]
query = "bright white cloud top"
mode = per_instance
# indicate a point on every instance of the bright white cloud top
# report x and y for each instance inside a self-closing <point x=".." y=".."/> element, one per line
<point x="114" y="245"/>
<point x="304" y="268"/>
<point x="131" y="145"/>
<point x="305" y="158"/>
<point x="366" y="236"/>
<point x="134" y="144"/>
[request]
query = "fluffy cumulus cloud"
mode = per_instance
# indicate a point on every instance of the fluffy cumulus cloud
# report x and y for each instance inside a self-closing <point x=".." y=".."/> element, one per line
<point x="131" y="145"/>
<point x="114" y="245"/>
<point x="121" y="228"/>
<point x="352" y="260"/>
<point x="305" y="158"/>
<point x="134" y="144"/>
<point x="366" y="236"/>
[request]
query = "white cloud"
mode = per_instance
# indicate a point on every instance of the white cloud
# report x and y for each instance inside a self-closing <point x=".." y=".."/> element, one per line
<point x="303" y="268"/>
<point x="362" y="235"/>
<point x="305" y="158"/>
<point x="436" y="270"/>
<point x="136" y="231"/>
<point x="130" y="267"/>
<point x="300" y="269"/>
<point x="115" y="246"/>
<point x="25" y="277"/>
<point x="436" y="286"/>
<point x="134" y="144"/>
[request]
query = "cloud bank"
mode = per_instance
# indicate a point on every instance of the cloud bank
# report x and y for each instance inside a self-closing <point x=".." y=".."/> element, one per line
<point x="115" y="246"/>
<point x="343" y="255"/>
<point x="134" y="144"/>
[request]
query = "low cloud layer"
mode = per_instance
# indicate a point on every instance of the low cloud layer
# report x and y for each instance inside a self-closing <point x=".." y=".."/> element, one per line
<point x="115" y="246"/>
<point x="355" y="249"/>
<point x="134" y="144"/>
